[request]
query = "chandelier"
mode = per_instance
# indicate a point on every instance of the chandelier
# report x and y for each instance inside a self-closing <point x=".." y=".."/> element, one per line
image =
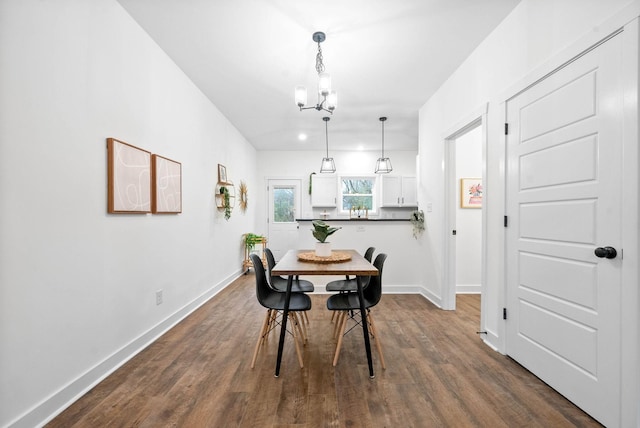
<point x="383" y="165"/>
<point x="328" y="165"/>
<point x="329" y="99"/>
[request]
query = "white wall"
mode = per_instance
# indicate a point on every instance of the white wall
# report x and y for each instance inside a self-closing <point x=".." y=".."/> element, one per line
<point x="77" y="285"/>
<point x="468" y="240"/>
<point x="529" y="38"/>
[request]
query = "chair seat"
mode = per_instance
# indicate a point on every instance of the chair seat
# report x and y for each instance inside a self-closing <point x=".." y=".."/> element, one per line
<point x="346" y="302"/>
<point x="298" y="302"/>
<point x="298" y="285"/>
<point x="344" y="285"/>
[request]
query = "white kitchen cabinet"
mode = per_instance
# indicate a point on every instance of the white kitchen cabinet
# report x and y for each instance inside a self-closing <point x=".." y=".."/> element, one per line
<point x="399" y="191"/>
<point x="324" y="190"/>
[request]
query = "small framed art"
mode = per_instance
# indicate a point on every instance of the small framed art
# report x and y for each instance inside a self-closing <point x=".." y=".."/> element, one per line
<point x="222" y="174"/>
<point x="471" y="193"/>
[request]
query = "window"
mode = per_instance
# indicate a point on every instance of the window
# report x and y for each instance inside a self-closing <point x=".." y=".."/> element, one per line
<point x="357" y="192"/>
<point x="283" y="204"/>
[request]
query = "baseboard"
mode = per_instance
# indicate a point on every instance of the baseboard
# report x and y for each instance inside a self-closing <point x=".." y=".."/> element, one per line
<point x="59" y="401"/>
<point x="468" y="289"/>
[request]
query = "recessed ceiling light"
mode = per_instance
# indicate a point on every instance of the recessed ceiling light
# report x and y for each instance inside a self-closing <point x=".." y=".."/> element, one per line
<point x="302" y="137"/>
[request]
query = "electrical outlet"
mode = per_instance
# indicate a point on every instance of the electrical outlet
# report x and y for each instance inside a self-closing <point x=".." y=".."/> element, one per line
<point x="158" y="297"/>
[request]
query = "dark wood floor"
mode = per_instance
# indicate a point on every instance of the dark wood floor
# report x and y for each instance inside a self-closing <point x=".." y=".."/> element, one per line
<point x="439" y="374"/>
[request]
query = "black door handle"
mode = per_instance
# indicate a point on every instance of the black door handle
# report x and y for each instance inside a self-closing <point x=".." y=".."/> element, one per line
<point x="606" y="252"/>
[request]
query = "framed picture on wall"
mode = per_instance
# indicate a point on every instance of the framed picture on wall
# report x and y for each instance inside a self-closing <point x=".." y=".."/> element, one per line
<point x="222" y="174"/>
<point x="129" y="178"/>
<point x="166" y="197"/>
<point x="471" y="193"/>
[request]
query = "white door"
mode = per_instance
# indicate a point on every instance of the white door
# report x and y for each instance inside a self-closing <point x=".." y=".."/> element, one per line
<point x="564" y="162"/>
<point x="284" y="206"/>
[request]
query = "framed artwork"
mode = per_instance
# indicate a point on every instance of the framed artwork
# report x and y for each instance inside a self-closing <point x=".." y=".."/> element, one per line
<point x="129" y="178"/>
<point x="166" y="196"/>
<point x="222" y="174"/>
<point x="471" y="193"/>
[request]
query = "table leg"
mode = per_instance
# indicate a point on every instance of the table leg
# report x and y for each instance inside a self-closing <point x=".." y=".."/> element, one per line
<point x="365" y="327"/>
<point x="283" y="328"/>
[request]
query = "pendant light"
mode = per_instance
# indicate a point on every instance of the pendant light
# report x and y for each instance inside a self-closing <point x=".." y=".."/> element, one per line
<point x="328" y="165"/>
<point x="329" y="98"/>
<point x="383" y="165"/>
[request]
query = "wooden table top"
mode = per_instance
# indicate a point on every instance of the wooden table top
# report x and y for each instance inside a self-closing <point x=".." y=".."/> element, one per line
<point x="290" y="265"/>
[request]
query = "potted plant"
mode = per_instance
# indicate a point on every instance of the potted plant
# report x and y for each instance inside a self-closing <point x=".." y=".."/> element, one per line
<point x="321" y="231"/>
<point x="250" y="241"/>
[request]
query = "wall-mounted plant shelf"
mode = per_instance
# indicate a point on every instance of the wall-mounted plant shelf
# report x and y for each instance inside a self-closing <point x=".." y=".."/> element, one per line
<point x="220" y="195"/>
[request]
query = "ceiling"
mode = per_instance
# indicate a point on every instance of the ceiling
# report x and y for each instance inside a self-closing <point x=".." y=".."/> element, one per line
<point x="385" y="57"/>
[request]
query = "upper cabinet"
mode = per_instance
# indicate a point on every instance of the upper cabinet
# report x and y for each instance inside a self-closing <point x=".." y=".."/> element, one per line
<point x="399" y="191"/>
<point x="324" y="190"/>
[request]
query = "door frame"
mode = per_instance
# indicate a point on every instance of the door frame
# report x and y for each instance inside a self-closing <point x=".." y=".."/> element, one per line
<point x="475" y="119"/>
<point x="299" y="181"/>
<point x="628" y="28"/>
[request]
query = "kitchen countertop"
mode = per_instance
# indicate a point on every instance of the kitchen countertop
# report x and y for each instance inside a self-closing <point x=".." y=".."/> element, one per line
<point x="353" y="219"/>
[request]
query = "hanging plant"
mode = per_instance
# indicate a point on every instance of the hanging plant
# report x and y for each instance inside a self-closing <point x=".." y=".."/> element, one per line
<point x="310" y="181"/>
<point x="417" y="220"/>
<point x="226" y="202"/>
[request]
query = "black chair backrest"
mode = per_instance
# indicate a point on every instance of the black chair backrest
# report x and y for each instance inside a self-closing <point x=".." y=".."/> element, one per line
<point x="373" y="292"/>
<point x="369" y="253"/>
<point x="271" y="261"/>
<point x="262" y="287"/>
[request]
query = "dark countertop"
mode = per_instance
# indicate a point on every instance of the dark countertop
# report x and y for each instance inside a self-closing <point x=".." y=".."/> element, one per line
<point x="354" y="219"/>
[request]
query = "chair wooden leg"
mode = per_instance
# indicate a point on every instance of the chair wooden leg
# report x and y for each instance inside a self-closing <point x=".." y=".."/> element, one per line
<point x="299" y="324"/>
<point x="343" y="326"/>
<point x="294" y="323"/>
<point x="305" y="335"/>
<point x="263" y="332"/>
<point x="377" y="339"/>
<point x="336" y="327"/>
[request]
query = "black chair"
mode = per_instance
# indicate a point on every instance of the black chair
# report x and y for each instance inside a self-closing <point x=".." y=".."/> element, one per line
<point x="279" y="283"/>
<point x="348" y="307"/>
<point x="274" y="302"/>
<point x="349" y="284"/>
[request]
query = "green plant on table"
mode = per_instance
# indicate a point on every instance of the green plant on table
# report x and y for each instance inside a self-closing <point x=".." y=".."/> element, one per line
<point x="321" y="230"/>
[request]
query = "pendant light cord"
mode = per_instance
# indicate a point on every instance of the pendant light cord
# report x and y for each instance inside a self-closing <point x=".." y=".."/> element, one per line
<point x="326" y="132"/>
<point x="383" y="119"/>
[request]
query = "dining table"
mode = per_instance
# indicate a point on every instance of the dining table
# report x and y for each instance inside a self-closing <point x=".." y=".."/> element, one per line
<point x="341" y="262"/>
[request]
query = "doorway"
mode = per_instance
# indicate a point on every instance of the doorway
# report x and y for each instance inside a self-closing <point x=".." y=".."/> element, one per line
<point x="464" y="242"/>
<point x="284" y="206"/>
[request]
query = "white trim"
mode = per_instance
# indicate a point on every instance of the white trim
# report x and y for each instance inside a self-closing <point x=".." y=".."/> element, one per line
<point x="478" y="117"/>
<point x="469" y="289"/>
<point x="630" y="295"/>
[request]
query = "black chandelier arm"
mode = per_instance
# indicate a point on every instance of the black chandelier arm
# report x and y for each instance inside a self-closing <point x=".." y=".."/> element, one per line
<point x="318" y="107"/>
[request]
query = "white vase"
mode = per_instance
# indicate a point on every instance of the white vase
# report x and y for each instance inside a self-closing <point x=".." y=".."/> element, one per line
<point x="323" y="249"/>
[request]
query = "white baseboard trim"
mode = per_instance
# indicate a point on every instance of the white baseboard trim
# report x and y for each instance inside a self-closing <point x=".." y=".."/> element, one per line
<point x="491" y="340"/>
<point x="468" y="289"/>
<point x="48" y="409"/>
